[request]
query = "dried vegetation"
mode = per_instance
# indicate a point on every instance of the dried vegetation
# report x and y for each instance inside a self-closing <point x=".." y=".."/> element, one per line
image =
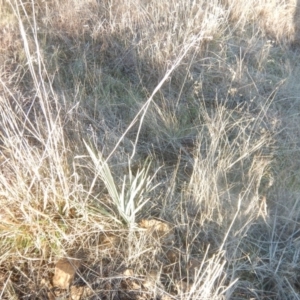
<point x="149" y="149"/>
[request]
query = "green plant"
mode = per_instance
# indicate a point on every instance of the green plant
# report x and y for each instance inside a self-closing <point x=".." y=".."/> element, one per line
<point x="133" y="195"/>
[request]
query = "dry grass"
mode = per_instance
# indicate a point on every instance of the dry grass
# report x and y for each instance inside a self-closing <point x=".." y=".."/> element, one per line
<point x="150" y="146"/>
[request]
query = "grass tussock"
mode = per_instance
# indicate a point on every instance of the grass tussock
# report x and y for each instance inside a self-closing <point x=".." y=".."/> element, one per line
<point x="149" y="149"/>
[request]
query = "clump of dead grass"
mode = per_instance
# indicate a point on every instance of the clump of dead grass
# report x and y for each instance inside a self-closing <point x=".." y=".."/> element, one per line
<point x="193" y="86"/>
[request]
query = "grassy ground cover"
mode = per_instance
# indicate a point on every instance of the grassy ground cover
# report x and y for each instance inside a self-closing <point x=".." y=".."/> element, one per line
<point x="149" y="149"/>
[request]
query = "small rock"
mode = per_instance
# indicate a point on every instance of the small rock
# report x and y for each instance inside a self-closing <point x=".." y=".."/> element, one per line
<point x="65" y="270"/>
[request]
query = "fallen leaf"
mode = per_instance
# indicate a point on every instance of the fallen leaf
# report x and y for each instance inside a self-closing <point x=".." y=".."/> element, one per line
<point x="155" y="225"/>
<point x="159" y="229"/>
<point x="65" y="270"/>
